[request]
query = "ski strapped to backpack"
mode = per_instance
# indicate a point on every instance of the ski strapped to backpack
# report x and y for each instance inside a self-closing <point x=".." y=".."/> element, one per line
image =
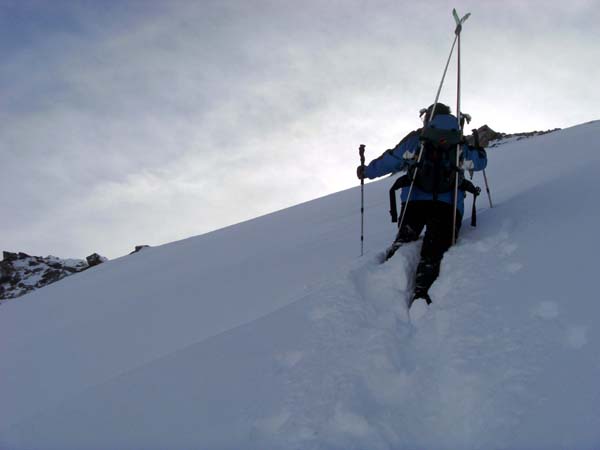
<point x="459" y="23"/>
<point x="457" y="31"/>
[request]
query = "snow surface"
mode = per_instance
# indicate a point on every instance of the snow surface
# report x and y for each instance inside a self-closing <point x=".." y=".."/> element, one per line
<point x="274" y="334"/>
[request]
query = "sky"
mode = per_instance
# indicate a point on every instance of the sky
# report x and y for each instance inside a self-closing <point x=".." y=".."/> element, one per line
<point x="143" y="122"/>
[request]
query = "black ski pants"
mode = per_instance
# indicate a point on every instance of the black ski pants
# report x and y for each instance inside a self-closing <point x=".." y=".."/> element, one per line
<point x="436" y="217"/>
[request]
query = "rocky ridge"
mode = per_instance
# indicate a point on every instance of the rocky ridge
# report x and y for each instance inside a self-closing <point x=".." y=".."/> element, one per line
<point x="21" y="273"/>
<point x="490" y="138"/>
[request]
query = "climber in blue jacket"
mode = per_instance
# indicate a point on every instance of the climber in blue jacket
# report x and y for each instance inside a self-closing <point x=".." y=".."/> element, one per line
<point x="431" y="202"/>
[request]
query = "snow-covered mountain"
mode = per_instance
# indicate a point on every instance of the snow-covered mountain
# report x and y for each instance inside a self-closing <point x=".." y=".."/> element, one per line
<point x="275" y="334"/>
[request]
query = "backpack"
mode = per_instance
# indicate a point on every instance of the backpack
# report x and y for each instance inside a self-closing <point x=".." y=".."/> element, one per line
<point x="436" y="172"/>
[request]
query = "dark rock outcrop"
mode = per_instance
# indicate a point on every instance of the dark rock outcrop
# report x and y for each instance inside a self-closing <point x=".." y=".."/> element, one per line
<point x="139" y="248"/>
<point x="490" y="138"/>
<point x="21" y="273"/>
<point x="94" y="259"/>
<point x="486" y="134"/>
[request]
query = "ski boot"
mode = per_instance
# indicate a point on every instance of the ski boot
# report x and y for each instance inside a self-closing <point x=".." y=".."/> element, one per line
<point x="420" y="294"/>
<point x="419" y="308"/>
<point x="391" y="250"/>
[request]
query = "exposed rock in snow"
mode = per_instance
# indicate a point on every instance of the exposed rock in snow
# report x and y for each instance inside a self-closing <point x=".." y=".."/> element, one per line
<point x="21" y="273"/>
<point x="94" y="259"/>
<point x="490" y="138"/>
<point x="139" y="248"/>
<point x="486" y="134"/>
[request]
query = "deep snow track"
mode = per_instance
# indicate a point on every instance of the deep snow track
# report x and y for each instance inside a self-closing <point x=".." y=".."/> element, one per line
<point x="353" y="366"/>
<point x="370" y="375"/>
<point x="464" y="376"/>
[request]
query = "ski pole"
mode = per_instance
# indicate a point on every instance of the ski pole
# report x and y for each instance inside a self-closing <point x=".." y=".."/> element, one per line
<point x="361" y="152"/>
<point x="487" y="188"/>
<point x="457" y="31"/>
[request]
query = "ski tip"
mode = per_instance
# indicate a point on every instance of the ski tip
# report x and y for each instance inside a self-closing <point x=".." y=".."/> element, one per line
<point x="457" y="18"/>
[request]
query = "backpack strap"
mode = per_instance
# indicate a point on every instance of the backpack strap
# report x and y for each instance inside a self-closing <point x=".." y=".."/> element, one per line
<point x="403" y="181"/>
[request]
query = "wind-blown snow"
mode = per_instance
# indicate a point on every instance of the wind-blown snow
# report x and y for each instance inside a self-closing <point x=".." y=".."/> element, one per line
<point x="274" y="334"/>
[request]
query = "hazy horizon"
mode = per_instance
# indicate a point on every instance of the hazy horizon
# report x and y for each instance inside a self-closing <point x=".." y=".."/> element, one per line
<point x="129" y="122"/>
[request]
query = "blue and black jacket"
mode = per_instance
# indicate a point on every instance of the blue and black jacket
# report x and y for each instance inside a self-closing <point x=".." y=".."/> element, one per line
<point x="405" y="154"/>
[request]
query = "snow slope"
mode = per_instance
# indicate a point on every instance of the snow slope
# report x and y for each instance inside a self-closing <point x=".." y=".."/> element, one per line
<point x="274" y="334"/>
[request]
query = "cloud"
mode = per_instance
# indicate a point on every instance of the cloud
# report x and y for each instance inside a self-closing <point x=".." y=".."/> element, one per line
<point x="143" y="122"/>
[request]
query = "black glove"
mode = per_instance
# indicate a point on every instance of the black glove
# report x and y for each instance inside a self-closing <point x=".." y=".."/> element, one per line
<point x="360" y="172"/>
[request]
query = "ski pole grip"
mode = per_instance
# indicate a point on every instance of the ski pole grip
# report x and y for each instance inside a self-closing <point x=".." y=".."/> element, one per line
<point x="361" y="152"/>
